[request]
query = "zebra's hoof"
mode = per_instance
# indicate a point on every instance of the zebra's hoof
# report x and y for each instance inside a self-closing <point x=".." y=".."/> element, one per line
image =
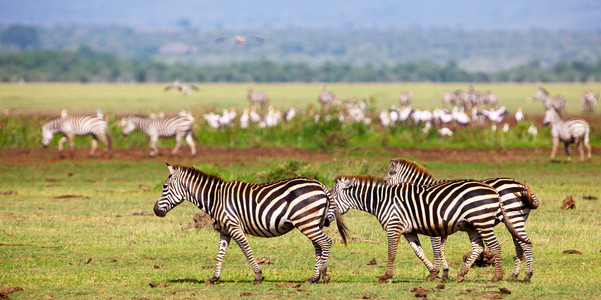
<point x="326" y="278"/>
<point x="460" y="278"/>
<point x="258" y="281"/>
<point x="433" y="277"/>
<point x="512" y="278"/>
<point x="211" y="281"/>
<point x="527" y="278"/>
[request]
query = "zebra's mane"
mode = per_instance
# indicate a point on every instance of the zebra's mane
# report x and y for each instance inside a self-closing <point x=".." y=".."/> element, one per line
<point x="544" y="90"/>
<point x="412" y="168"/>
<point x="362" y="179"/>
<point x="195" y="171"/>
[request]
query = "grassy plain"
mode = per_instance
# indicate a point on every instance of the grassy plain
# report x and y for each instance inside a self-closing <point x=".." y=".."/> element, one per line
<point x="85" y="229"/>
<point x="125" y="98"/>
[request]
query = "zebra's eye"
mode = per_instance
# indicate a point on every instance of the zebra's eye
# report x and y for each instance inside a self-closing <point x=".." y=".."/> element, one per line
<point x="392" y="173"/>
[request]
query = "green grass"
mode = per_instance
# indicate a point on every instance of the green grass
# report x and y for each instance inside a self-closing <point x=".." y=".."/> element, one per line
<point x="128" y="251"/>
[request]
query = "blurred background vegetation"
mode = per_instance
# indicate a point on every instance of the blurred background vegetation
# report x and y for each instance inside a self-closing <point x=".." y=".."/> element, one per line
<point x="111" y="53"/>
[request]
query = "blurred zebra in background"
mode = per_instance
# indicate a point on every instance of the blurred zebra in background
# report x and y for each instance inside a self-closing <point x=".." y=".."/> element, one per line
<point x="557" y="102"/>
<point x="261" y="98"/>
<point x="71" y="126"/>
<point x="265" y="210"/>
<point x="570" y="131"/>
<point x="589" y="101"/>
<point x="405" y="99"/>
<point x="327" y="99"/>
<point x="449" y="99"/>
<point x="434" y="210"/>
<point x="516" y="198"/>
<point x="179" y="126"/>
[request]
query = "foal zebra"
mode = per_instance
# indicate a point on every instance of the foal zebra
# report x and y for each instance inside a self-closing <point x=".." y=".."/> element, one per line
<point x="70" y="126"/>
<point x="516" y="198"/>
<point x="589" y="101"/>
<point x="557" y="102"/>
<point x="181" y="126"/>
<point x="265" y="210"/>
<point x="570" y="131"/>
<point x="433" y="210"/>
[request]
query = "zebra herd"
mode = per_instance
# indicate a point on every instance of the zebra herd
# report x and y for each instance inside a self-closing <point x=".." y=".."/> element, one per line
<point x="408" y="202"/>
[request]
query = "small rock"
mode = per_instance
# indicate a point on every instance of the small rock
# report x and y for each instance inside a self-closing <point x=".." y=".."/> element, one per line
<point x="372" y="262"/>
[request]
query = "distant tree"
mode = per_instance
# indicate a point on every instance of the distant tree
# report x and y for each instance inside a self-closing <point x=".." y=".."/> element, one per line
<point x="21" y="36"/>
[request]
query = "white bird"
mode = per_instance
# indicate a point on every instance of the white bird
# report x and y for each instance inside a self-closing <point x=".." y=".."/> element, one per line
<point x="532" y="130"/>
<point x="505" y="127"/>
<point x="495" y="116"/>
<point x="289" y="114"/>
<point x="426" y="128"/>
<point x="445" y="131"/>
<point x="519" y="115"/>
<point x="245" y="118"/>
<point x="385" y="119"/>
<point x="460" y="116"/>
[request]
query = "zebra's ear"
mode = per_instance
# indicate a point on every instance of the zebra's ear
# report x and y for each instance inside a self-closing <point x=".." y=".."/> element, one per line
<point x="392" y="164"/>
<point x="170" y="168"/>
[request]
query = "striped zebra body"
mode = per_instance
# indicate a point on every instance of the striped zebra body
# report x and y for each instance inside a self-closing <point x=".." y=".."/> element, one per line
<point x="557" y="102"/>
<point x="179" y="126"/>
<point x="571" y="131"/>
<point x="589" y="101"/>
<point x="71" y="126"/>
<point x="516" y="198"/>
<point x="264" y="210"/>
<point x="434" y="210"/>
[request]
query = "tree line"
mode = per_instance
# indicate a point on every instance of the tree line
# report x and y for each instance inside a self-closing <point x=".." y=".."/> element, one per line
<point x="85" y="65"/>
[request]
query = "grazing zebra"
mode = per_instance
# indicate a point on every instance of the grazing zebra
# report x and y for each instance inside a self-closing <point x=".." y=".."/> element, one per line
<point x="589" y="101"/>
<point x="405" y="98"/>
<point x="265" y="210"/>
<point x="516" y="198"/>
<point x="571" y="131"/>
<point x="70" y="126"/>
<point x="433" y="210"/>
<point x="255" y="98"/>
<point x="181" y="126"/>
<point x="557" y="102"/>
<point x="183" y="88"/>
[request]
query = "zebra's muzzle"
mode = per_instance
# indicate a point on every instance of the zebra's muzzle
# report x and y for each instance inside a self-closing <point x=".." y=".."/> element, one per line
<point x="158" y="211"/>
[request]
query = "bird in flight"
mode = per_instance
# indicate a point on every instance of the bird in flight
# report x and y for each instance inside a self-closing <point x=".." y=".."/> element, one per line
<point x="241" y="40"/>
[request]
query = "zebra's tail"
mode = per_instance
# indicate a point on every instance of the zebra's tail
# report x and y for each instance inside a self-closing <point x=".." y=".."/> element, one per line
<point x="528" y="198"/>
<point x="342" y="229"/>
<point x="509" y="225"/>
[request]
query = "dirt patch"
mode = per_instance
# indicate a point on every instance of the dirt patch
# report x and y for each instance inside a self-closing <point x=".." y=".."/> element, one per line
<point x="142" y="213"/>
<point x="420" y="292"/>
<point x="224" y="156"/>
<point x="288" y="285"/>
<point x="70" y="196"/>
<point x="589" y="197"/>
<point x="372" y="262"/>
<point x="264" y="261"/>
<point x="490" y="294"/>
<point x="8" y="193"/>
<point x="5" y="292"/>
<point x="572" y="251"/>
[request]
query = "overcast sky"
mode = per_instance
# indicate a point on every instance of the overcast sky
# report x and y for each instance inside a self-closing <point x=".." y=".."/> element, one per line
<point x="455" y="14"/>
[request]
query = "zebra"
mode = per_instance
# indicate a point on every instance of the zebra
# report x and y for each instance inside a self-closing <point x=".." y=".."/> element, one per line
<point x="265" y="210"/>
<point x="434" y="210"/>
<point x="181" y="126"/>
<point x="449" y="98"/>
<point x="255" y="98"/>
<point x="589" y="101"/>
<point x="327" y="99"/>
<point x="83" y="125"/>
<point x="516" y="197"/>
<point x="557" y="102"/>
<point x="405" y="98"/>
<point x="570" y="131"/>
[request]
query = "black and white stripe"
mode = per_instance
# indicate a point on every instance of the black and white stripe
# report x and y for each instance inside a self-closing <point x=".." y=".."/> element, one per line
<point x="557" y="102"/>
<point x="434" y="210"/>
<point x="264" y="210"/>
<point x="179" y="126"/>
<point x="71" y="126"/>
<point x="516" y="198"/>
<point x="571" y="131"/>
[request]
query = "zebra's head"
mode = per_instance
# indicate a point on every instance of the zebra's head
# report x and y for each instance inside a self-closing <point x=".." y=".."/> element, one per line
<point x="551" y="115"/>
<point x="128" y="125"/>
<point x="47" y="135"/>
<point x="540" y="94"/>
<point x="171" y="194"/>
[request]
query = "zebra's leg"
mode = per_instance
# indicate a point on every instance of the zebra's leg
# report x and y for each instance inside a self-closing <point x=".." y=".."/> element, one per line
<point x="435" y="240"/>
<point x="554" y="148"/>
<point x="224" y="241"/>
<point x="178" y="143"/>
<point x="71" y="144"/>
<point x="239" y="237"/>
<point x="61" y="142"/>
<point x="527" y="249"/>
<point x="322" y="244"/>
<point x="477" y="248"/>
<point x="491" y="241"/>
<point x="190" y="141"/>
<point x="417" y="248"/>
<point x="519" y="255"/>
<point x="587" y="145"/>
<point x="94" y="145"/>
<point x="153" y="145"/>
<point x="568" y="152"/>
<point x="580" y="151"/>
<point x="443" y="259"/>
<point x="394" y="235"/>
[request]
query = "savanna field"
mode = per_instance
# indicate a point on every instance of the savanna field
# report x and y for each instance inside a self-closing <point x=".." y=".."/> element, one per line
<point x="75" y="226"/>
